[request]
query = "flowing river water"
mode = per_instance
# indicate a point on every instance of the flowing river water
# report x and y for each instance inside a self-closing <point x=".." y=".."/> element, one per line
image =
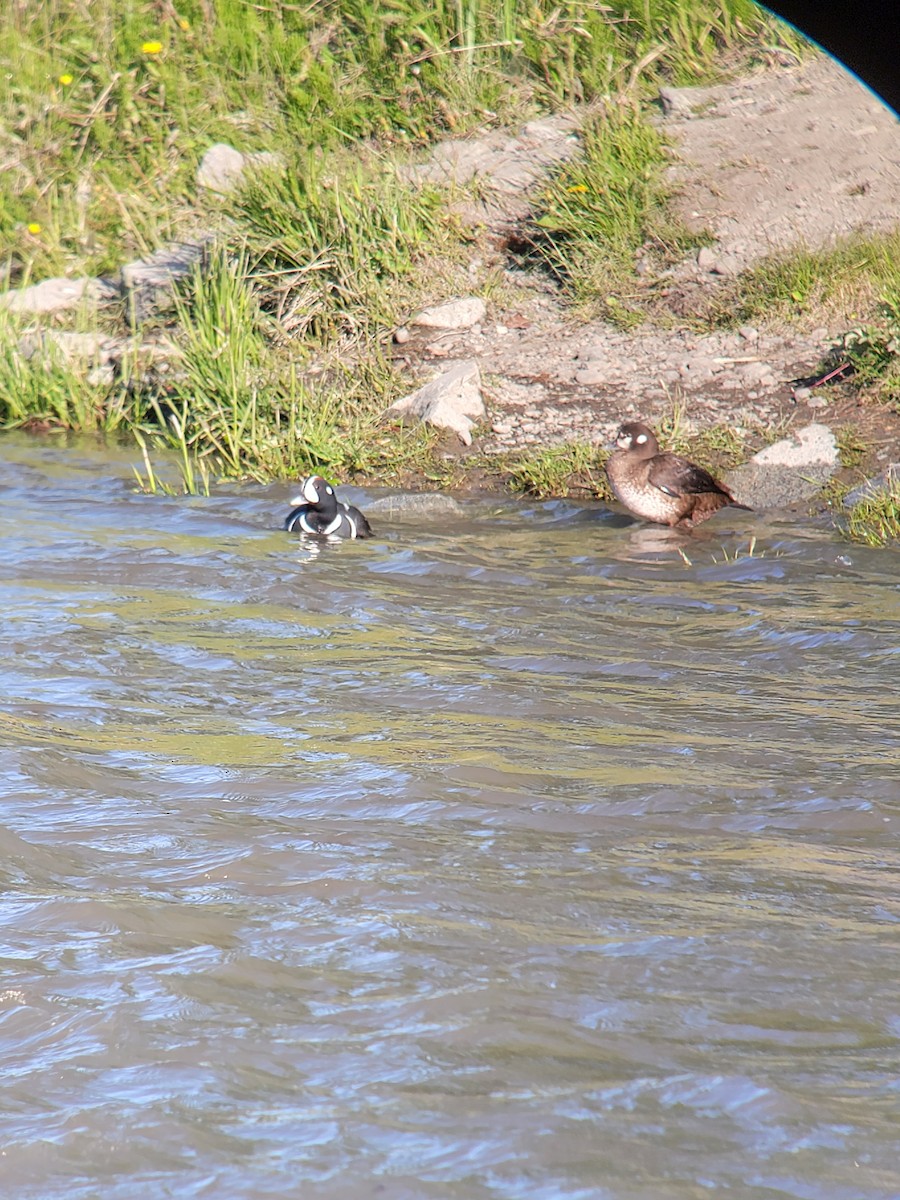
<point x="508" y="854"/>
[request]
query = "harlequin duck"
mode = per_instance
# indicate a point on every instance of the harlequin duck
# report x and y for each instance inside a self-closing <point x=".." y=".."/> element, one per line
<point x="321" y="513"/>
<point x="665" y="488"/>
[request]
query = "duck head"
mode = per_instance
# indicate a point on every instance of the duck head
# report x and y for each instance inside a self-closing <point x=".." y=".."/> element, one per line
<point x="317" y="492"/>
<point x="637" y="439"/>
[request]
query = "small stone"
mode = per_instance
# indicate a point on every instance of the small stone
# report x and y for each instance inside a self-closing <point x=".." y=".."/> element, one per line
<point x="755" y="373"/>
<point x="101" y="376"/>
<point x="592" y="374"/>
<point x="221" y="168"/>
<point x="802" y="393"/>
<point x="706" y="259"/>
<point x="681" y="102"/>
<point x="401" y="335"/>
<point x="817" y="402"/>
<point x="451" y="401"/>
<point x="728" y="264"/>
<point x="455" y="314"/>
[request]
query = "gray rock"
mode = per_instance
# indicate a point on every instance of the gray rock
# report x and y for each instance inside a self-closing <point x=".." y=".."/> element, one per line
<point x="865" y="491"/>
<point x="727" y="264"/>
<point x="789" y="472"/>
<point x="149" y="283"/>
<point x="57" y="295"/>
<point x="416" y="504"/>
<point x="755" y="373"/>
<point x="449" y="402"/>
<point x="592" y="373"/>
<point x="802" y="393"/>
<point x="455" y="314"/>
<point x="697" y="367"/>
<point x="706" y="258"/>
<point x="72" y="347"/>
<point x="101" y="376"/>
<point x="679" y="103"/>
<point x="221" y="169"/>
<point x="809" y="446"/>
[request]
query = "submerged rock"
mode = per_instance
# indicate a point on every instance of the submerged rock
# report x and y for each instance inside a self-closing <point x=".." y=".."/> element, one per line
<point x="416" y="504"/>
<point x="452" y="401"/>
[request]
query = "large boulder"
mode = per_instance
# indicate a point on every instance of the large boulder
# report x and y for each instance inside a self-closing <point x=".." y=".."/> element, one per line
<point x="789" y="472"/>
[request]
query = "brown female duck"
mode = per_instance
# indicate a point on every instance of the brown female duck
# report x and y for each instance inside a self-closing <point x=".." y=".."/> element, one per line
<point x="662" y="487"/>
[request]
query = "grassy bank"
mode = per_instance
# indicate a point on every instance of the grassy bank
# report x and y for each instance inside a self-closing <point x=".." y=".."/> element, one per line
<point x="107" y="107"/>
<point x="278" y="361"/>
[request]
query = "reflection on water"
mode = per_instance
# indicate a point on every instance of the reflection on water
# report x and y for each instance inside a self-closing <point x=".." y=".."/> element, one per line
<point x="512" y="856"/>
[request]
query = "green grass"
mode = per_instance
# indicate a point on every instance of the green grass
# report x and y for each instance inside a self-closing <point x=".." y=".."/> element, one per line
<point x="107" y="106"/>
<point x="45" y="390"/>
<point x="876" y="521"/>
<point x="602" y="210"/>
<point x="332" y="242"/>
<point x="842" y="281"/>
<point x="855" y="283"/>
<point x="715" y="447"/>
<point x="852" y="447"/>
<point x="557" y="470"/>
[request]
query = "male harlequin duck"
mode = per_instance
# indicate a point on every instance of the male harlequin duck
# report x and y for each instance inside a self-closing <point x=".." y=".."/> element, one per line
<point x="665" y="488"/>
<point x="320" y="512"/>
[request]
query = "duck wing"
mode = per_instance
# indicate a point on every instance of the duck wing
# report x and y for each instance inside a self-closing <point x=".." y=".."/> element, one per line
<point x="358" y="526"/>
<point x="676" y="476"/>
<point x="303" y="517"/>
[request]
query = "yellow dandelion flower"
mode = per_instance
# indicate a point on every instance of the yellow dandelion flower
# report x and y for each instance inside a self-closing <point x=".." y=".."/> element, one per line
<point x="65" y="80"/>
<point x="577" y="187"/>
<point x="184" y="25"/>
<point x="152" y="48"/>
<point x="34" y="228"/>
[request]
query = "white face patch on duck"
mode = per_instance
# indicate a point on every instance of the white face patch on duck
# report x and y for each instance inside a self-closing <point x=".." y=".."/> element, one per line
<point x="641" y="439"/>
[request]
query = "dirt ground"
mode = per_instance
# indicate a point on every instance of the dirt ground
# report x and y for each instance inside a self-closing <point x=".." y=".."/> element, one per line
<point x="786" y="156"/>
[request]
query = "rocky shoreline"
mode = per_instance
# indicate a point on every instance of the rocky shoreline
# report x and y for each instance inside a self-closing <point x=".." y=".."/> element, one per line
<point x="795" y="155"/>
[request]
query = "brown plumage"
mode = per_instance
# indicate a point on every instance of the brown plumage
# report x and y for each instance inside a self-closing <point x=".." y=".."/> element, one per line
<point x="665" y="488"/>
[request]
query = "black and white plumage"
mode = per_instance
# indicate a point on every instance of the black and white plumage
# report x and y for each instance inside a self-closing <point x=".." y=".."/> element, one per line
<point x="319" y="512"/>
